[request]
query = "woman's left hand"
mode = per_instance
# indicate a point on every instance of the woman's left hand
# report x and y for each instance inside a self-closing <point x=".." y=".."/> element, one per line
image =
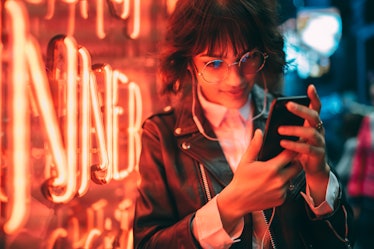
<point x="311" y="146"/>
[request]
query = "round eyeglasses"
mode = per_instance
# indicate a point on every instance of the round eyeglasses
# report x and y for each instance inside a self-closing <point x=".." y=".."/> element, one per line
<point x="250" y="63"/>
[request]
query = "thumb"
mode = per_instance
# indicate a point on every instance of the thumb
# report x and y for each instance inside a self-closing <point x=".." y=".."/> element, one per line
<point x="254" y="147"/>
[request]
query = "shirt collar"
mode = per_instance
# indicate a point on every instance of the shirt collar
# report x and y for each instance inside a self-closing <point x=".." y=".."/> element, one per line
<point x="216" y="113"/>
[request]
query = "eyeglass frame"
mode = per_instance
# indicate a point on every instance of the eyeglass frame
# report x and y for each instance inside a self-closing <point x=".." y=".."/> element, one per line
<point x="264" y="55"/>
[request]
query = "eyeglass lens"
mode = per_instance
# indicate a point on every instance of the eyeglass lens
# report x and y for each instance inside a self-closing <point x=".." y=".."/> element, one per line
<point x="250" y="63"/>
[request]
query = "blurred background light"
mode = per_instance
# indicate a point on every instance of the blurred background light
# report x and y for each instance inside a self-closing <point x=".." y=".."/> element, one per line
<point x="320" y="29"/>
<point x="311" y="39"/>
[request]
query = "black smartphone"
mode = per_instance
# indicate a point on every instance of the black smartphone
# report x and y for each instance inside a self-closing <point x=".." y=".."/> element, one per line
<point x="279" y="116"/>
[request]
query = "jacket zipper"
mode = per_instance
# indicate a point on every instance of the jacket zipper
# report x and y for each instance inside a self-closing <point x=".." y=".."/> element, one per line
<point x="205" y="182"/>
<point x="268" y="228"/>
<point x="209" y="197"/>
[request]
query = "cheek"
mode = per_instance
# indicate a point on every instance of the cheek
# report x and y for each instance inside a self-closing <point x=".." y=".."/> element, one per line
<point x="251" y="79"/>
<point x="210" y="92"/>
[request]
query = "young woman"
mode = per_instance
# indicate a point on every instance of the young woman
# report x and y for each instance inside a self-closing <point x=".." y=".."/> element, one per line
<point x="201" y="185"/>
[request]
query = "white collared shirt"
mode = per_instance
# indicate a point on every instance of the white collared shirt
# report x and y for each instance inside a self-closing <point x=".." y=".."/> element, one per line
<point x="233" y="128"/>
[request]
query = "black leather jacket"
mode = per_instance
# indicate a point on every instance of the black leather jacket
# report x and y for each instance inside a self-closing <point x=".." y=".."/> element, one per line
<point x="173" y="161"/>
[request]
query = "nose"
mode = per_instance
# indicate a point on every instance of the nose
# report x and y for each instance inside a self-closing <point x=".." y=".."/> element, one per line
<point x="234" y="78"/>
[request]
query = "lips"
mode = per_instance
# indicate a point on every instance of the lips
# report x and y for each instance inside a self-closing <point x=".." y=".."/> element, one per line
<point x="235" y="91"/>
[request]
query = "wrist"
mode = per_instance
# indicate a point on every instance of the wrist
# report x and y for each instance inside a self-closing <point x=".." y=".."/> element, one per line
<point x="229" y="210"/>
<point x="317" y="183"/>
<point x="319" y="176"/>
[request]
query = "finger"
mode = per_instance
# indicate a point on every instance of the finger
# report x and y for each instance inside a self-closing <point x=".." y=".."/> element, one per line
<point x="306" y="134"/>
<point x="315" y="102"/>
<point x="302" y="147"/>
<point x="302" y="111"/>
<point x="254" y="147"/>
<point x="310" y="115"/>
<point x="283" y="159"/>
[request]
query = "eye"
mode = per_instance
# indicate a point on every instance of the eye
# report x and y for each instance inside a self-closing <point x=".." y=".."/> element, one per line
<point x="215" y="64"/>
<point x="252" y="62"/>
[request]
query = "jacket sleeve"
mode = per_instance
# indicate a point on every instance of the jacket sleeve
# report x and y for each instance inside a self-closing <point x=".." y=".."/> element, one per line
<point x="334" y="230"/>
<point x="157" y="223"/>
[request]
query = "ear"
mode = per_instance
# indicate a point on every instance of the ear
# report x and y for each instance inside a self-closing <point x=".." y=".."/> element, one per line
<point x="191" y="67"/>
<point x="192" y="70"/>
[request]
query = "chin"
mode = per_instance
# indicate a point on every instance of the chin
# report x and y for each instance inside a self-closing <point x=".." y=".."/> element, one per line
<point x="235" y="104"/>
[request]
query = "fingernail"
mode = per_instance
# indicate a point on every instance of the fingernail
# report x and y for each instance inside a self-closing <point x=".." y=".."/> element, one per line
<point x="291" y="105"/>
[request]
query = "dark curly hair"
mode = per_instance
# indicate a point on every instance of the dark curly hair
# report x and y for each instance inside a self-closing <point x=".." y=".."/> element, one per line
<point x="196" y="26"/>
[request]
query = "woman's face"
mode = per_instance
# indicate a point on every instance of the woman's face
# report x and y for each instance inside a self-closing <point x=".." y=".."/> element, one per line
<point x="229" y="88"/>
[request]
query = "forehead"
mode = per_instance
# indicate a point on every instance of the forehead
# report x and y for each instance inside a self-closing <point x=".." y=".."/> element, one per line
<point x="219" y="35"/>
<point x="228" y="52"/>
<point x="222" y="48"/>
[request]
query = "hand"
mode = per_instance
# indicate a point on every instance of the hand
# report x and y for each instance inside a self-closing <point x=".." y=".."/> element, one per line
<point x="311" y="145"/>
<point x="256" y="185"/>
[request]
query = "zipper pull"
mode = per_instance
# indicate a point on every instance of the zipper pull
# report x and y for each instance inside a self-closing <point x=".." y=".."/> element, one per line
<point x="348" y="244"/>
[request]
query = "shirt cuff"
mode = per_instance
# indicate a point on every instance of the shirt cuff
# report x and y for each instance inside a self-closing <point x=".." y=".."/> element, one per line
<point x="332" y="194"/>
<point x="208" y="229"/>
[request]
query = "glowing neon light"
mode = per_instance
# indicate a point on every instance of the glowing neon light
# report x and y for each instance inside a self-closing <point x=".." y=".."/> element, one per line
<point x="90" y="218"/>
<point x="50" y="9"/>
<point x="71" y="18"/>
<point x="66" y="174"/>
<point x="106" y="173"/>
<point x="170" y="5"/>
<point x="109" y="237"/>
<point x="85" y="120"/>
<point x="100" y="19"/>
<point x="98" y="208"/>
<point x="73" y="228"/>
<point x="3" y="197"/>
<point x="136" y="23"/>
<point x="110" y="101"/>
<point x="71" y="126"/>
<point x="18" y="201"/>
<point x="90" y="237"/>
<point x="70" y="1"/>
<point x="35" y="1"/>
<point x="99" y="173"/>
<point x="55" y="235"/>
<point x="134" y="124"/>
<point x="43" y="100"/>
<point x="84" y="8"/>
<point x="125" y="8"/>
<point x="130" y="239"/>
<point x="134" y="119"/>
<point x="62" y="150"/>
<point x="116" y="112"/>
<point x="124" y="209"/>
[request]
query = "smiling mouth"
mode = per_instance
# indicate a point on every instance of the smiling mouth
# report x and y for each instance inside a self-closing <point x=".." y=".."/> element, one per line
<point x="236" y="91"/>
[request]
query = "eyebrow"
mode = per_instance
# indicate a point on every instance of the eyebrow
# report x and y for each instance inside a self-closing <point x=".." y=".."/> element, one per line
<point x="237" y="57"/>
<point x="211" y="55"/>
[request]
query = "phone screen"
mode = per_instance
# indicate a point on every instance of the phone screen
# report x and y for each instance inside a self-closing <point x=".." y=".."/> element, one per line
<point x="279" y="116"/>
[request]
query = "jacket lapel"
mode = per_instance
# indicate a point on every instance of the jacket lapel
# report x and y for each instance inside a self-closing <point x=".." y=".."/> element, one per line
<point x="210" y="154"/>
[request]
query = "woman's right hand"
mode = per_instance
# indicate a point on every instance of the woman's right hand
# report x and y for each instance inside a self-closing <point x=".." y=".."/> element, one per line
<point x="256" y="185"/>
